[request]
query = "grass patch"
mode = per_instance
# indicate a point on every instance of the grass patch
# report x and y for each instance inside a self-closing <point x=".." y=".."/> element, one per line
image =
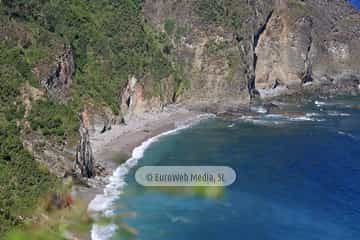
<point x="299" y="9"/>
<point x="169" y="25"/>
<point x="53" y="119"/>
<point x="225" y="13"/>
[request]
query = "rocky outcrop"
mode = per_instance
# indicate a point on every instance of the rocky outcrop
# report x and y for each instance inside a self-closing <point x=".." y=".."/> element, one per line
<point x="133" y="100"/>
<point x="98" y="119"/>
<point x="232" y="51"/>
<point x="307" y="42"/>
<point x="58" y="158"/>
<point x="84" y="161"/>
<point x="58" y="80"/>
<point x="209" y="54"/>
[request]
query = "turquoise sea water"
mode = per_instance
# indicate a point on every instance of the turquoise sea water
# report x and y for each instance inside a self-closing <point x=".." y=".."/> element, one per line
<point x="298" y="177"/>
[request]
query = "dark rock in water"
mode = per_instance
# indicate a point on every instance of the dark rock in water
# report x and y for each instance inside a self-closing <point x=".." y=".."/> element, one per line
<point x="84" y="161"/>
<point x="270" y="107"/>
<point x="59" y="79"/>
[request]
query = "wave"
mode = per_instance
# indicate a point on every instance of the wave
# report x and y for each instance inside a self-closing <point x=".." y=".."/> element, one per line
<point x="259" y="109"/>
<point x="276" y="119"/>
<point x="104" y="202"/>
<point x="319" y="103"/>
<point x="338" y="104"/>
<point x="338" y="114"/>
<point x="348" y="135"/>
<point x="312" y="114"/>
<point x="257" y="120"/>
<point x="327" y="104"/>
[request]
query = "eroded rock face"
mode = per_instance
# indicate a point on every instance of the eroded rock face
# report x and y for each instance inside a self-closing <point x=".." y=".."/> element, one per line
<point x="84" y="161"/>
<point x="58" y="158"/>
<point x="215" y="59"/>
<point x="277" y="47"/>
<point x="283" y="53"/>
<point x="307" y="41"/>
<point x="58" y="80"/>
<point x="98" y="119"/>
<point x="133" y="100"/>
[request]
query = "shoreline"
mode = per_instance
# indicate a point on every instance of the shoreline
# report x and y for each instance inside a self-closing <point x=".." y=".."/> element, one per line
<point x="116" y="148"/>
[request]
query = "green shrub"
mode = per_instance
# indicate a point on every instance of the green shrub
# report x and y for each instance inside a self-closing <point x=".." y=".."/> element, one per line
<point x="110" y="42"/>
<point x="299" y="8"/>
<point x="227" y="13"/>
<point x="169" y="25"/>
<point x="53" y="119"/>
<point x="22" y="181"/>
<point x="212" y="11"/>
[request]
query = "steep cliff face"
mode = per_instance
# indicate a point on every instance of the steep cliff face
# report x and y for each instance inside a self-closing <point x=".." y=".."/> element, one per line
<point x="133" y="99"/>
<point x="211" y="52"/>
<point x="308" y="42"/>
<point x="58" y="80"/>
<point x="235" y="50"/>
<point x="112" y="59"/>
<point x="213" y="43"/>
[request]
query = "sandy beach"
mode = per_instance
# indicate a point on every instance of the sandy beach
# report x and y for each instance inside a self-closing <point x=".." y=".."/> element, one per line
<point x="114" y="147"/>
<point x="122" y="139"/>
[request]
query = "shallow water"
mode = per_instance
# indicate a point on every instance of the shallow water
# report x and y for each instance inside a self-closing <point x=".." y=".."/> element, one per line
<point x="297" y="178"/>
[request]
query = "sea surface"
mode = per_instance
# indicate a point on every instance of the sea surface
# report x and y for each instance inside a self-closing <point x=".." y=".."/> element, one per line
<point x="298" y="178"/>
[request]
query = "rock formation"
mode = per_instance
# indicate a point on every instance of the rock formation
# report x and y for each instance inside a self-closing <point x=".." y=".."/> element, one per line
<point x="84" y="161"/>
<point x="133" y="101"/>
<point x="232" y="51"/>
<point x="308" y="42"/>
<point x="59" y="79"/>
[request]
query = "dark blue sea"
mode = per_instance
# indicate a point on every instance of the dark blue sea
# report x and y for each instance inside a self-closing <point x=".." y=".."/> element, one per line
<point x="298" y="178"/>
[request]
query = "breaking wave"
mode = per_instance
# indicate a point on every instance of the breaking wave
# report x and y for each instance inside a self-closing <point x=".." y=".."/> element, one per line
<point x="103" y="203"/>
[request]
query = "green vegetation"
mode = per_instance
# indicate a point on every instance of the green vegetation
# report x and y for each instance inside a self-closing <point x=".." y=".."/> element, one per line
<point x="22" y="180"/>
<point x="108" y="39"/>
<point x="212" y="11"/>
<point x="58" y="215"/>
<point x="53" y="119"/>
<point x="299" y="8"/>
<point x="217" y="48"/>
<point x="169" y="25"/>
<point x="181" y="31"/>
<point x="110" y="42"/>
<point x="226" y="13"/>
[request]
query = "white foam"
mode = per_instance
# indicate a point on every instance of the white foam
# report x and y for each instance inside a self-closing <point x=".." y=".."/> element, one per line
<point x="302" y="118"/>
<point x="276" y="119"/>
<point x="338" y="114"/>
<point x="100" y="232"/>
<point x="312" y="114"/>
<point x="258" y="109"/>
<point x="319" y="104"/>
<point x="180" y="219"/>
<point x="103" y="203"/>
<point x="347" y="135"/>
<point x="258" y="120"/>
<point x="275" y="116"/>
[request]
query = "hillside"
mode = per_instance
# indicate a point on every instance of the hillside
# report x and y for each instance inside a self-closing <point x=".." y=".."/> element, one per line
<point x="79" y="64"/>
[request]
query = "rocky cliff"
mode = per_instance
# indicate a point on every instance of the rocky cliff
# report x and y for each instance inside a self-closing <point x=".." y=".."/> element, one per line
<point x="237" y="50"/>
<point x="107" y="60"/>
<point x="208" y="54"/>
<point x="308" y="42"/>
<point x="58" y="80"/>
<point x="143" y="55"/>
